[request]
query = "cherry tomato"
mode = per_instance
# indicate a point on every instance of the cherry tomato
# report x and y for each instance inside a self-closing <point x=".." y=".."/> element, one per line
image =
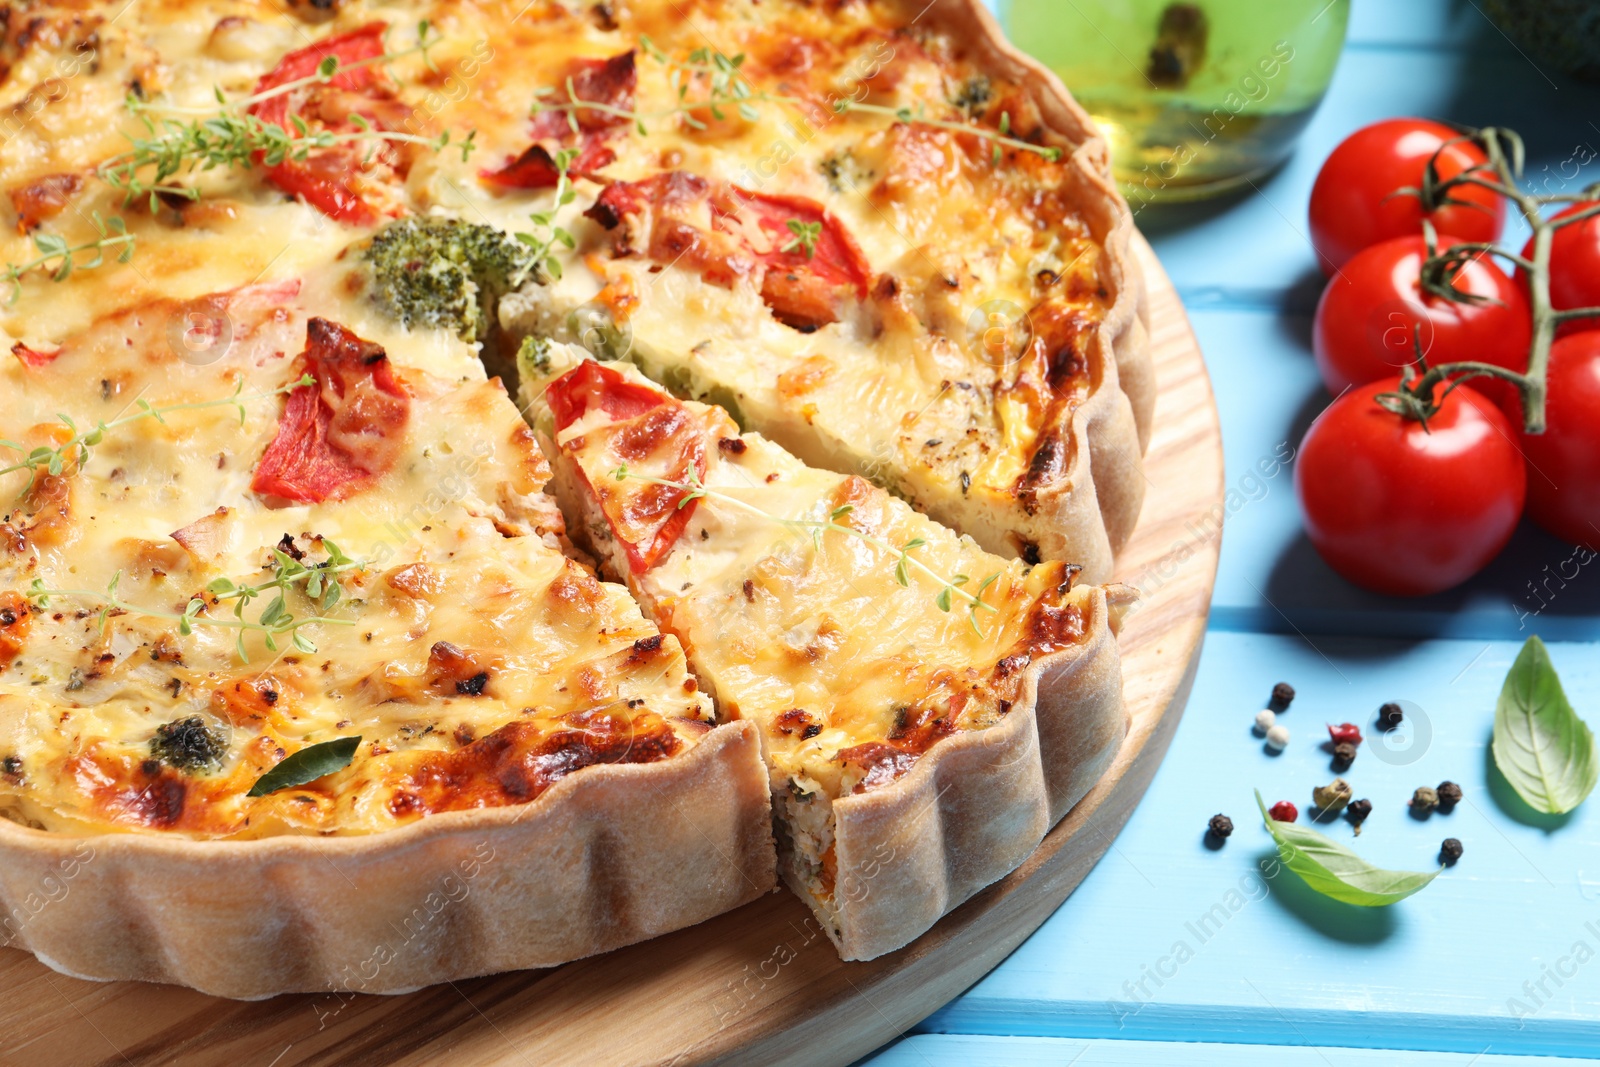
<point x="1564" y="461"/>
<point x="1353" y="203"/>
<point x="1368" y="313"/>
<point x="1574" y="268"/>
<point x="1403" y="509"/>
<point x="1283" y="811"/>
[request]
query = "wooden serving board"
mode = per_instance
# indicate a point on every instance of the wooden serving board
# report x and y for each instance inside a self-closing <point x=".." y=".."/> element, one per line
<point x="758" y="985"/>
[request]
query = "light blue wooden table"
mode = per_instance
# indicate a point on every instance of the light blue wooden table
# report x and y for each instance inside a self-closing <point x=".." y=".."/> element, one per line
<point x="1497" y="964"/>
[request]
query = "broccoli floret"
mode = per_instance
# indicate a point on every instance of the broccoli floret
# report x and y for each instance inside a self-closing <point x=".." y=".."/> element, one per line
<point x="535" y="355"/>
<point x="445" y="272"/>
<point x="188" y="744"/>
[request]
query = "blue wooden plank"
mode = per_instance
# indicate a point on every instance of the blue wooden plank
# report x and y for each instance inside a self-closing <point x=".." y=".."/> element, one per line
<point x="976" y="1051"/>
<point x="1168" y="940"/>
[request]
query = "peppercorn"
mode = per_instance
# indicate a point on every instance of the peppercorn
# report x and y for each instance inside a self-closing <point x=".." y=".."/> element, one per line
<point x="1331" y="798"/>
<point x="1345" y="733"/>
<point x="1390" y="716"/>
<point x="1278" y="737"/>
<point x="1282" y="696"/>
<point x="1265" y="720"/>
<point x="1283" y="811"/>
<point x="1357" y="811"/>
<point x="1449" y="795"/>
<point x="1450" y="851"/>
<point x="1344" y="753"/>
<point x="1220" y="826"/>
<point x="1424" y="800"/>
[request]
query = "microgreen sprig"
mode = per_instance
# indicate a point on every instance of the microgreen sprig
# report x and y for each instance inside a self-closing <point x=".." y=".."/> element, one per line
<point x="950" y="587"/>
<point x="53" y="460"/>
<point x="726" y="88"/>
<point x="806" y="235"/>
<point x="317" y="582"/>
<point x="113" y="234"/>
<point x="547" y="234"/>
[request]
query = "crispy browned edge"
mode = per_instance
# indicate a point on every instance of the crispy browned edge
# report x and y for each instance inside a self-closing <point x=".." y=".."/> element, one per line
<point x="974" y="807"/>
<point x="608" y="856"/>
<point x="1083" y="520"/>
<point x="976" y="804"/>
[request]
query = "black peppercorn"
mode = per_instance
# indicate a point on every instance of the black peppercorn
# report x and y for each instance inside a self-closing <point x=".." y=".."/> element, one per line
<point x="1282" y="695"/>
<point x="1390" y="716"/>
<point x="1449" y="795"/>
<point x="1357" y="811"/>
<point x="1344" y="753"/>
<point x="1450" y="851"/>
<point x="1220" y="826"/>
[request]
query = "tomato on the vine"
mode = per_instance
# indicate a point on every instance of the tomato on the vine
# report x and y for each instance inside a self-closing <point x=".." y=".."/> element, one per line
<point x="1371" y="315"/>
<point x="1574" y="268"/>
<point x="1564" y="461"/>
<point x="1408" y="509"/>
<point x="1355" y="202"/>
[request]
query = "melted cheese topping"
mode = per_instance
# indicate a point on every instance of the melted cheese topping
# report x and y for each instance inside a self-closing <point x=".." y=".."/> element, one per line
<point x="852" y="672"/>
<point x="477" y="664"/>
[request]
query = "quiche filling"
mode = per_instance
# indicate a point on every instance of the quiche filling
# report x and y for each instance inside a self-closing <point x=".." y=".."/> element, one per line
<point x="855" y="631"/>
<point x="389" y="494"/>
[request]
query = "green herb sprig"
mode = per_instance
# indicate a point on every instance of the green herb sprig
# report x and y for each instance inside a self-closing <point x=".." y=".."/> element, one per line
<point x="53" y="460"/>
<point x="806" y="235"/>
<point x="727" y="89"/>
<point x="113" y="235"/>
<point x="1543" y="749"/>
<point x="950" y="587"/>
<point x="547" y="234"/>
<point x="317" y="582"/>
<point x="1335" y="871"/>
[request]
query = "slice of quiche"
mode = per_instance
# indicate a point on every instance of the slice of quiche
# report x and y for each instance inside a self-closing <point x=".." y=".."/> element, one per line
<point x="270" y="589"/>
<point x="927" y="710"/>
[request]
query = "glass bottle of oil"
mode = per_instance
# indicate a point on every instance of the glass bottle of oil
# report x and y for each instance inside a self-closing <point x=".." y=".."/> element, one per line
<point x="1196" y="98"/>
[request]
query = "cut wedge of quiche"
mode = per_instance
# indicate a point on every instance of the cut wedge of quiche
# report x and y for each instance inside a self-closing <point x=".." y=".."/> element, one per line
<point x="313" y="590"/>
<point x="927" y="709"/>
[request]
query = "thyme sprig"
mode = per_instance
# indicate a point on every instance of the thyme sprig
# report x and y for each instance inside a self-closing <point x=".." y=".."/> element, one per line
<point x="1500" y="174"/>
<point x="113" y="234"/>
<point x="234" y="140"/>
<point x="53" y="460"/>
<point x="317" y="582"/>
<point x="950" y="588"/>
<point x="547" y="234"/>
<point x="727" y="89"/>
<point x="806" y="235"/>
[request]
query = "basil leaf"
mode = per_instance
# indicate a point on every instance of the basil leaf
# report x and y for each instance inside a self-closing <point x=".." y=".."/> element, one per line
<point x="307" y="765"/>
<point x="1541" y="746"/>
<point x="1335" y="871"/>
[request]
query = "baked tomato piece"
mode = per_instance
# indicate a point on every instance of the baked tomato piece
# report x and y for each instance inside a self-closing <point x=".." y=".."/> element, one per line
<point x="341" y="433"/>
<point x="1374" y="312"/>
<point x="608" y="83"/>
<point x="803" y="258"/>
<point x="653" y="435"/>
<point x="345" y="181"/>
<point x="1405" y="508"/>
<point x="1574" y="267"/>
<point x="1564" y="461"/>
<point x="1356" y="201"/>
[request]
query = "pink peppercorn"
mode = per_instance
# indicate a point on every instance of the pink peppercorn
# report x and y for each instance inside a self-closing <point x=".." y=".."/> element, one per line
<point x="1283" y="811"/>
<point x="1345" y="733"/>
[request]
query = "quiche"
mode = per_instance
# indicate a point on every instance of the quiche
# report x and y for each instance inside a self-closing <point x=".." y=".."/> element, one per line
<point x="490" y="686"/>
<point x="927" y="709"/>
<point x="304" y="685"/>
